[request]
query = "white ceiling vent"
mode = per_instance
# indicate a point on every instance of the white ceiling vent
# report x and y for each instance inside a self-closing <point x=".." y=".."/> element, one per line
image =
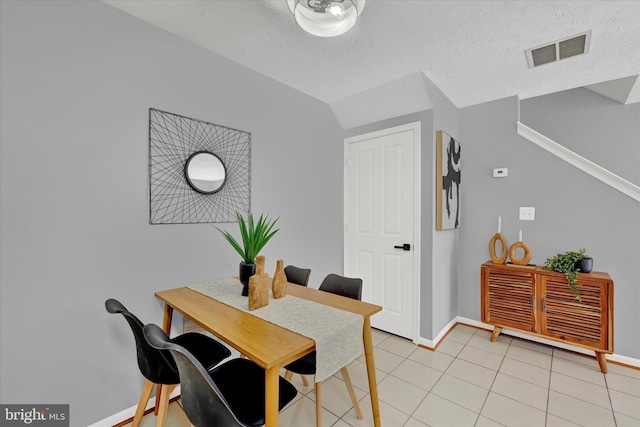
<point x="560" y="49"/>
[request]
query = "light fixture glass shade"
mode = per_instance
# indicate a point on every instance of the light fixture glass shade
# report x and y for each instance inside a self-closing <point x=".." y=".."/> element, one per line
<point x="326" y="18"/>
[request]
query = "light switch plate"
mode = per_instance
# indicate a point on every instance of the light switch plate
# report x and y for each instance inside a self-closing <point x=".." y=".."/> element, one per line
<point x="527" y="213"/>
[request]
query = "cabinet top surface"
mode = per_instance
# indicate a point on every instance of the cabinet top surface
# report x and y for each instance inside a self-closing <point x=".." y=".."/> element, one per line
<point x="594" y="275"/>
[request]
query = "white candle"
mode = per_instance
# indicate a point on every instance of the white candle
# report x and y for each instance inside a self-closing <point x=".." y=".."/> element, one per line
<point x="520" y="236"/>
<point x="499" y="223"/>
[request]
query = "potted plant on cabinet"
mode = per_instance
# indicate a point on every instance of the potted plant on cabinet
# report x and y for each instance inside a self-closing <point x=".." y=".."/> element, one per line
<point x="255" y="236"/>
<point x="571" y="263"/>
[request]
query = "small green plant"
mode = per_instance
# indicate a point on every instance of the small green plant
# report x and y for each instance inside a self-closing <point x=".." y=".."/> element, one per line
<point x="254" y="236"/>
<point x="567" y="263"/>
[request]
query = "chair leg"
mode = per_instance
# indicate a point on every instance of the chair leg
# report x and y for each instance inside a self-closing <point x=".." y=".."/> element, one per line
<point x="156" y="407"/>
<point x="288" y="375"/>
<point x="142" y="403"/>
<point x="164" y="404"/>
<point x="318" y="405"/>
<point x="352" y="393"/>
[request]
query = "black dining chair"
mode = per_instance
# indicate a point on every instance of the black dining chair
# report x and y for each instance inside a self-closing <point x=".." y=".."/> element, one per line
<point x="231" y="394"/>
<point x="306" y="365"/>
<point x="158" y="366"/>
<point x="297" y="275"/>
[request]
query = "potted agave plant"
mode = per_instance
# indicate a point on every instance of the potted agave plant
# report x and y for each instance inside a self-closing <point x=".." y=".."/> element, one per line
<point x="255" y="236"/>
<point x="571" y="263"/>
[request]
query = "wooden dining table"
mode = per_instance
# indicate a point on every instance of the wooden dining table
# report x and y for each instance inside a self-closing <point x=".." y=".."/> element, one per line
<point x="267" y="344"/>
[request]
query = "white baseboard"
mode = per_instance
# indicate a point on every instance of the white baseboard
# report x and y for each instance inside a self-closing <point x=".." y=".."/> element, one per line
<point x="475" y="323"/>
<point x="125" y="414"/>
<point x="624" y="360"/>
<point x="433" y="343"/>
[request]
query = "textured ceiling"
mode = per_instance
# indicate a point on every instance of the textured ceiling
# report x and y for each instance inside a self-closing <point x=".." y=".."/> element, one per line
<point x="472" y="50"/>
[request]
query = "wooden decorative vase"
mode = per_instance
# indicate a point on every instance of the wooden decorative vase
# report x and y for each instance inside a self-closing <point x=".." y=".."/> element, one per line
<point x="258" y="291"/>
<point x="260" y="265"/>
<point x="259" y="286"/>
<point x="279" y="284"/>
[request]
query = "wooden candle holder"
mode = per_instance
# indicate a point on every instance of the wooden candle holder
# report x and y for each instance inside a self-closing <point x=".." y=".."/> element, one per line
<point x="527" y="253"/>
<point x="502" y="259"/>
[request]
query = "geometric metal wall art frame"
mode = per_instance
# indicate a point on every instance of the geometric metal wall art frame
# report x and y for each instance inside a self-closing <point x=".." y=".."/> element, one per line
<point x="173" y="198"/>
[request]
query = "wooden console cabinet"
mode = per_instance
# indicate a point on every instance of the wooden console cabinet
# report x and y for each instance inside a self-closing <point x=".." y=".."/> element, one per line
<point x="540" y="302"/>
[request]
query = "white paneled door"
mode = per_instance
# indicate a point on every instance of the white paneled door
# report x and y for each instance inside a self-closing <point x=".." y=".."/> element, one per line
<point x="382" y="203"/>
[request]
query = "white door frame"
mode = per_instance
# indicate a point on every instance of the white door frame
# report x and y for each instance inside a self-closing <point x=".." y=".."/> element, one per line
<point x="417" y="174"/>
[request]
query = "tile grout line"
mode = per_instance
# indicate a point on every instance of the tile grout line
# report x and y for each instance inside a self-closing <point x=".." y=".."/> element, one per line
<point x="425" y="396"/>
<point x="493" y="382"/>
<point x="613" y="413"/>
<point x="428" y="391"/>
<point x="577" y="398"/>
<point x="550" y="369"/>
<point x="546" y="412"/>
<point x="456" y="357"/>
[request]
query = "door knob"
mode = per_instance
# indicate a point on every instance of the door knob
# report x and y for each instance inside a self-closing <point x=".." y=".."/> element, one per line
<point x="404" y="247"/>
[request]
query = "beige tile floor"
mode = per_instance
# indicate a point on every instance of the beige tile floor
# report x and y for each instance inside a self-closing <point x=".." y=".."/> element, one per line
<point x="470" y="381"/>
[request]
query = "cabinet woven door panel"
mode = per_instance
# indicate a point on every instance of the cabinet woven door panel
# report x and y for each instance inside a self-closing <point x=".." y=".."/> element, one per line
<point x="509" y="299"/>
<point x="566" y="318"/>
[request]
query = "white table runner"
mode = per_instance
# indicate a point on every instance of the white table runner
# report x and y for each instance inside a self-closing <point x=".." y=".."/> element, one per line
<point x="337" y="333"/>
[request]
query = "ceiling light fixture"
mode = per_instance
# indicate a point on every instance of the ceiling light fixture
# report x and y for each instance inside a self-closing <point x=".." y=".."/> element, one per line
<point x="326" y="18"/>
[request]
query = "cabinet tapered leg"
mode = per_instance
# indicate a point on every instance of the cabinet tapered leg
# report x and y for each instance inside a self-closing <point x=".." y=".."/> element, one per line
<point x="602" y="361"/>
<point x="496" y="332"/>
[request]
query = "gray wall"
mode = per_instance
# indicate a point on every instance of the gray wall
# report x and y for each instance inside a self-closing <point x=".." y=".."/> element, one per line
<point x="444" y="276"/>
<point x="594" y="216"/>
<point x="573" y="210"/>
<point x="77" y="81"/>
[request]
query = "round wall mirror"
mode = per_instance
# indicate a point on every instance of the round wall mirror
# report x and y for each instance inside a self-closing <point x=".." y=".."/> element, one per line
<point x="205" y="172"/>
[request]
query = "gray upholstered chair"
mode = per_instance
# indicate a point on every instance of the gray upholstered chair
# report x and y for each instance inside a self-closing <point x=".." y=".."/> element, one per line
<point x="306" y="365"/>
<point x="297" y="275"/>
